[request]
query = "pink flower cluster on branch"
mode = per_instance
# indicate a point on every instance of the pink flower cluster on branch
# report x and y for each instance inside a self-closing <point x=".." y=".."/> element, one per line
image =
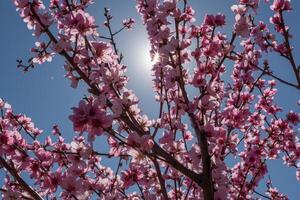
<point x="166" y="157"/>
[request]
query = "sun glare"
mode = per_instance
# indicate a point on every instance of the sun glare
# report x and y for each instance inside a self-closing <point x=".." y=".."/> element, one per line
<point x="144" y="58"/>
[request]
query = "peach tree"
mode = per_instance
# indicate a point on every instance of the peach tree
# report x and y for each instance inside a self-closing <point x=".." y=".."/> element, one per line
<point x="182" y="154"/>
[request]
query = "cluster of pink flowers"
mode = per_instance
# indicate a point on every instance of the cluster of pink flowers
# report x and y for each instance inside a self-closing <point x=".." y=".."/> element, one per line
<point x="128" y="23"/>
<point x="211" y="20"/>
<point x="167" y="157"/>
<point x="90" y="117"/>
<point x="52" y="164"/>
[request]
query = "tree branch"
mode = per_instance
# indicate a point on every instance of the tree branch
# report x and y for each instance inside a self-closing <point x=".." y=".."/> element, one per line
<point x="22" y="183"/>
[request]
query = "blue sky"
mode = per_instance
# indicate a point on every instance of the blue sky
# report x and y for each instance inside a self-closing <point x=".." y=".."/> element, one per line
<point x="46" y="96"/>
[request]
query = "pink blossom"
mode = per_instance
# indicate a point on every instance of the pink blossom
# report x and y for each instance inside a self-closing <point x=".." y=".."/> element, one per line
<point x="128" y="23"/>
<point x="211" y="20"/>
<point x="128" y="178"/>
<point x="281" y="5"/>
<point x="80" y="116"/>
<point x="242" y="26"/>
<point x="212" y="49"/>
<point x="80" y="22"/>
<point x="102" y="51"/>
<point x="189" y="14"/>
<point x="239" y="9"/>
<point x="21" y="3"/>
<point x="91" y="118"/>
<point x="98" y="121"/>
<point x="293" y="118"/>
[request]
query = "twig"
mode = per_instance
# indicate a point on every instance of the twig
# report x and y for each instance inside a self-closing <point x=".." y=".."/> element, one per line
<point x="22" y="183"/>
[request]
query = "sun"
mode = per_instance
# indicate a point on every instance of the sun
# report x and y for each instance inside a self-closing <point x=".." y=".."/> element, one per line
<point x="144" y="58"/>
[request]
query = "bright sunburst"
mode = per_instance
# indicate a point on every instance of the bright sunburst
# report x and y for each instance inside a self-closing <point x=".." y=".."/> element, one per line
<point x="144" y="57"/>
